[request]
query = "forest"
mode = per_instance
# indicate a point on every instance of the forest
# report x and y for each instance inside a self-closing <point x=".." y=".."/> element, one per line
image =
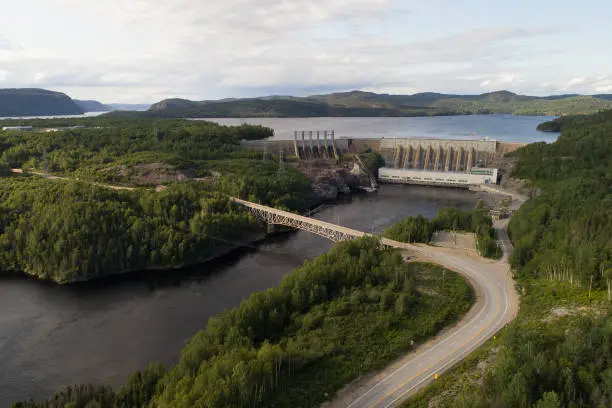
<point x="369" y="104"/>
<point x="279" y="346"/>
<point x="69" y="231"/>
<point x="346" y="312"/>
<point x="131" y="151"/>
<point x="558" y="352"/>
<point x="477" y="221"/>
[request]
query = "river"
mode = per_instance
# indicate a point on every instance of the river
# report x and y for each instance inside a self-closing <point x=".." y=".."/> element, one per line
<point x="99" y="332"/>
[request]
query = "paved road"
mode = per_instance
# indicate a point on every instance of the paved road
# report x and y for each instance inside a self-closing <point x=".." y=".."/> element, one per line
<point x="496" y="306"/>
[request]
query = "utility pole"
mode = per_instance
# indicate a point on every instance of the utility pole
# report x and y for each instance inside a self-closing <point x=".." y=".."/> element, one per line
<point x="45" y="161"/>
<point x="281" y="165"/>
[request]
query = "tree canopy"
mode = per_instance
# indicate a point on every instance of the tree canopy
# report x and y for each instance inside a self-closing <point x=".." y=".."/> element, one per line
<point x="68" y="231"/>
<point x="344" y="313"/>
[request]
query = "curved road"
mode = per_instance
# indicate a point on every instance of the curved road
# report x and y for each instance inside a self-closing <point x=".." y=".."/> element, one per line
<point x="497" y="305"/>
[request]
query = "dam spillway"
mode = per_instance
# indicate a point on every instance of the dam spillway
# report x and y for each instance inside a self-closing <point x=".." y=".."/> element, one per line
<point x="316" y="144"/>
<point x="406" y="152"/>
<point x="411" y="160"/>
<point x="438" y="154"/>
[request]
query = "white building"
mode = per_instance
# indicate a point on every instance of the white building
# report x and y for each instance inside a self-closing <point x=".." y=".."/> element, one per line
<point x="476" y="176"/>
<point x="17" y="128"/>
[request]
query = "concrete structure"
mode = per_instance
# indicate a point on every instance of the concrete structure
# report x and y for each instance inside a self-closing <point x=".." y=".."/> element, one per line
<point x="406" y="152"/>
<point x="318" y="144"/>
<point x="17" y="128"/>
<point x="476" y="176"/>
<point x="61" y="129"/>
<point x="437" y="154"/>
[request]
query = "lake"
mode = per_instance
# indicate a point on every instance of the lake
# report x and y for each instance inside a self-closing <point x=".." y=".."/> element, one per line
<point x="84" y="115"/>
<point x="507" y="128"/>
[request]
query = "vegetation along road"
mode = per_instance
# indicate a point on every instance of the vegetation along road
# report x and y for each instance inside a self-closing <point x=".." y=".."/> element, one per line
<point x="496" y="306"/>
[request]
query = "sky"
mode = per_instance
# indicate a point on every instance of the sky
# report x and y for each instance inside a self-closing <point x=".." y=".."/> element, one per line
<point x="143" y="51"/>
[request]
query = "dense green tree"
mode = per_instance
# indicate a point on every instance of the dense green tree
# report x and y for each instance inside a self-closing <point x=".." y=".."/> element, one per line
<point x="68" y="231"/>
<point x="346" y="312"/>
<point x="564" y="233"/>
<point x="420" y="229"/>
<point x="558" y="352"/>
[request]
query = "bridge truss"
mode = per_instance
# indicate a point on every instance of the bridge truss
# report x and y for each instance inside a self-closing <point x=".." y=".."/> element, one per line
<point x="318" y="228"/>
<point x="324" y="229"/>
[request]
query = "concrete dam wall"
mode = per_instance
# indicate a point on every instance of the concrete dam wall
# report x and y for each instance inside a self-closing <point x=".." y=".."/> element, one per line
<point x="438" y="154"/>
<point x="424" y="161"/>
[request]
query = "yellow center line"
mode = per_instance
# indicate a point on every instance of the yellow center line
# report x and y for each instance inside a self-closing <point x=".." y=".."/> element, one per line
<point x="384" y="397"/>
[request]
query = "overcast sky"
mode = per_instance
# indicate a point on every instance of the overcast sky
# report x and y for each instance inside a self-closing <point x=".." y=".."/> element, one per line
<point x="148" y="50"/>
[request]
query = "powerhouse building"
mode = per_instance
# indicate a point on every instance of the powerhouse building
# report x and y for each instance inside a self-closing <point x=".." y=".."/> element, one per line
<point x="475" y="176"/>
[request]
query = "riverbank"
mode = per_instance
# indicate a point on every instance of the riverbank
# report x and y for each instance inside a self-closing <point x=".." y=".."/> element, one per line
<point x="400" y="304"/>
<point x="101" y="331"/>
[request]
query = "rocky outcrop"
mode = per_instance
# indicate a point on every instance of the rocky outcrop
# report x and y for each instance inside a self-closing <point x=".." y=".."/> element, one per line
<point x="329" y="180"/>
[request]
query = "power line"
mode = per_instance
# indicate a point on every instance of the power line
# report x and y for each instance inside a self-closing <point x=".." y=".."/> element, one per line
<point x="281" y="165"/>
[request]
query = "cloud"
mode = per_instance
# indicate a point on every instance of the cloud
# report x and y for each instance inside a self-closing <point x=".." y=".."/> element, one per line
<point x="153" y="49"/>
<point x="588" y="84"/>
<point x="576" y="81"/>
<point x="5" y="44"/>
<point x="603" y="84"/>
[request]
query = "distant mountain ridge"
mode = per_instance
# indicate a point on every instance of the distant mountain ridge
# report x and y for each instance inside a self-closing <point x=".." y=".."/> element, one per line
<point x="129" y="106"/>
<point x="93" y="106"/>
<point x="360" y="103"/>
<point x="36" y="102"/>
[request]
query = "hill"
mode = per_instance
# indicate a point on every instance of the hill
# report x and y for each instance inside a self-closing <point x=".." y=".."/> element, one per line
<point x="36" y="102"/>
<point x="93" y="106"/>
<point x="361" y="104"/>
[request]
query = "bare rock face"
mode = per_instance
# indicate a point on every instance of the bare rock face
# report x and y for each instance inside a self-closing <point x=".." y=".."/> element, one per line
<point x="330" y="179"/>
<point x="325" y="192"/>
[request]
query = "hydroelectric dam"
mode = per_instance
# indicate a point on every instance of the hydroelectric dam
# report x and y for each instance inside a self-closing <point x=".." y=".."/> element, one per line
<point x="411" y="160"/>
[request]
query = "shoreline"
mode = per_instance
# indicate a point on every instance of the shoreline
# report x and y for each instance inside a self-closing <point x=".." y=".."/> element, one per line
<point x="227" y="248"/>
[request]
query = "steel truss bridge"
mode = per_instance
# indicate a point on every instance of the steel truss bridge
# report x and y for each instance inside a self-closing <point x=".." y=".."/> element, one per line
<point x="325" y="229"/>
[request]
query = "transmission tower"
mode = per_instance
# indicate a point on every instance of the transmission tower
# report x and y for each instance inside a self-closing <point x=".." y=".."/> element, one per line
<point x="45" y="158"/>
<point x="281" y="165"/>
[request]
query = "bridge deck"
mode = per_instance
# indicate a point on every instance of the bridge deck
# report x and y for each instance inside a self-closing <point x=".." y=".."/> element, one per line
<point x="326" y="229"/>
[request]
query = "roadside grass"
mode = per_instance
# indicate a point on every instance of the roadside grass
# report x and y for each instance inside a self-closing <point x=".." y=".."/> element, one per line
<point x="365" y="339"/>
<point x="539" y="297"/>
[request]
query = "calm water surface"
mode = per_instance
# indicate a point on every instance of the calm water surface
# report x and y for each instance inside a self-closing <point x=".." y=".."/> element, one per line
<point x="507" y="128"/>
<point x="51" y="336"/>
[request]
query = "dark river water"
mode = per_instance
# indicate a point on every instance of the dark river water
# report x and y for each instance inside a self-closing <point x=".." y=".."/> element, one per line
<point x="100" y="332"/>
